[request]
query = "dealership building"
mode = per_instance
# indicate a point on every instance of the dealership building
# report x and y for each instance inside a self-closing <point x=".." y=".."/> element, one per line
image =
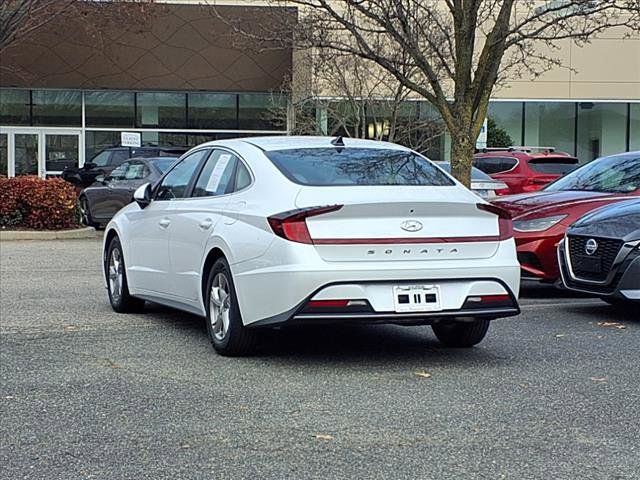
<point x="180" y="77"/>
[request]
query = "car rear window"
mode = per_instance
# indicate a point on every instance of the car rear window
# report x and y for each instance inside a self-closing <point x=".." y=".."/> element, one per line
<point x="553" y="165"/>
<point x="164" y="164"/>
<point x="356" y="166"/>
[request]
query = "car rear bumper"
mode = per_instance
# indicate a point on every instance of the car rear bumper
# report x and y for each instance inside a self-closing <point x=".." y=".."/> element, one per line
<point x="276" y="295"/>
<point x="624" y="281"/>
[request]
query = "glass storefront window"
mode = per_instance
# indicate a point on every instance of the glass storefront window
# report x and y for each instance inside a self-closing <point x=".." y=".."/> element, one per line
<point x="94" y="142"/>
<point x="4" y="154"/>
<point x="634" y="127"/>
<point x="109" y="109"/>
<point x="602" y="129"/>
<point x="161" y="110"/>
<point x="15" y="107"/>
<point x="212" y="110"/>
<point x="262" y="111"/>
<point x="550" y="124"/>
<point x="57" y="108"/>
<point x="508" y="117"/>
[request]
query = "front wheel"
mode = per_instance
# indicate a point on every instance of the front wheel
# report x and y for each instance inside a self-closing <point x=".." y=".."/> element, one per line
<point x="117" y="285"/>
<point x="85" y="212"/>
<point x="461" y="335"/>
<point x="227" y="333"/>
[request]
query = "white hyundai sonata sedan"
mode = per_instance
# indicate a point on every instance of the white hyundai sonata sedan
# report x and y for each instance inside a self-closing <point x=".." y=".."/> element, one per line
<point x="263" y="232"/>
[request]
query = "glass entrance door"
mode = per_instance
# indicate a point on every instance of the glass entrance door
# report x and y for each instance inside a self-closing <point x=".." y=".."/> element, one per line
<point x="4" y="154"/>
<point x="42" y="152"/>
<point x="60" y="150"/>
<point x="25" y="153"/>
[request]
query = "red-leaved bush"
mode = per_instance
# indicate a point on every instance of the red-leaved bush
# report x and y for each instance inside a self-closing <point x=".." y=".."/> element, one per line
<point x="34" y="203"/>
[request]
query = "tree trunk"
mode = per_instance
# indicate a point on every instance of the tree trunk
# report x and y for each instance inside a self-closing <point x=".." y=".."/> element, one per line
<point x="462" y="150"/>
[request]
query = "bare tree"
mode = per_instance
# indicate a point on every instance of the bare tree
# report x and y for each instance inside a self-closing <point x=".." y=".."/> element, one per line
<point x="365" y="102"/>
<point x="454" y="52"/>
<point x="20" y="19"/>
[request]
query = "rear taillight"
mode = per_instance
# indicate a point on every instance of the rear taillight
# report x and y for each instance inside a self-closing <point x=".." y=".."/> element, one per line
<point x="503" y="191"/>
<point x="292" y="225"/>
<point x="534" y="184"/>
<point x="505" y="224"/>
<point x="488" y="301"/>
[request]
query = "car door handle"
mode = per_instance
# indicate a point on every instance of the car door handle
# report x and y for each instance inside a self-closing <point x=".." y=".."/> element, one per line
<point x="205" y="224"/>
<point x="164" y="223"/>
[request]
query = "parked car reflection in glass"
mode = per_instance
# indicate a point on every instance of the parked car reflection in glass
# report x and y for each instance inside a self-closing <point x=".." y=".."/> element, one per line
<point x="99" y="202"/>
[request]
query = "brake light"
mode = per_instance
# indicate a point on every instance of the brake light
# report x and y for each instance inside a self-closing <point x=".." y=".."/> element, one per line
<point x="503" y="191"/>
<point x="327" y="303"/>
<point x="292" y="225"/>
<point x="534" y="184"/>
<point x="505" y="224"/>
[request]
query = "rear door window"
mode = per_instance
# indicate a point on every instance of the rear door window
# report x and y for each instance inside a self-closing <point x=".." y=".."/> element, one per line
<point x="216" y="176"/>
<point x="119" y="156"/>
<point x="356" y="166"/>
<point x="553" y="165"/>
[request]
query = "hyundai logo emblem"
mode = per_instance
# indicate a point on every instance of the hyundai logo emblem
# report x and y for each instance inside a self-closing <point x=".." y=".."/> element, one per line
<point x="411" y="225"/>
<point x="591" y="247"/>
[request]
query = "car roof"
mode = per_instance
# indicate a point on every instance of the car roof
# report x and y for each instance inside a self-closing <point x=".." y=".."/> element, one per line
<point x="283" y="142"/>
<point x="550" y="154"/>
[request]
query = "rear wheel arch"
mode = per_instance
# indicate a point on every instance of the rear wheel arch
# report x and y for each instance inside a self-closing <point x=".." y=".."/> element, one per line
<point x="214" y="254"/>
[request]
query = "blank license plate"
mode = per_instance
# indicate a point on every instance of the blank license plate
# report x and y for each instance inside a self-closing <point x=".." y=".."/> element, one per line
<point x="417" y="298"/>
<point x="589" y="264"/>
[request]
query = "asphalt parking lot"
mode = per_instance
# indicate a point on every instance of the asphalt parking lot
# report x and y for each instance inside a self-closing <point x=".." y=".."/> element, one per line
<point x="87" y="393"/>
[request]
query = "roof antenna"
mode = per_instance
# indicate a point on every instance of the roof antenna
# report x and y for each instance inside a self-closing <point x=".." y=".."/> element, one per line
<point x="337" y="142"/>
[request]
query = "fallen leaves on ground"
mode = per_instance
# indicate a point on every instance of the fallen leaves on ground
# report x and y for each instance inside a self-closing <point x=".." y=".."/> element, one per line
<point x="617" y="325"/>
<point x="422" y="374"/>
<point x="321" y="436"/>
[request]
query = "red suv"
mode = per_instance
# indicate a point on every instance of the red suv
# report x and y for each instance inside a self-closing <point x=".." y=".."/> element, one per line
<point x="524" y="169"/>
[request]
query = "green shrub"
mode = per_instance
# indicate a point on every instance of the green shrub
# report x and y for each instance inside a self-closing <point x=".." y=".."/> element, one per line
<point x="33" y="203"/>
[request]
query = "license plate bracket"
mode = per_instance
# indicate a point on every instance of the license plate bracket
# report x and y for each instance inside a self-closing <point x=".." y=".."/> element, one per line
<point x="589" y="264"/>
<point x="416" y="298"/>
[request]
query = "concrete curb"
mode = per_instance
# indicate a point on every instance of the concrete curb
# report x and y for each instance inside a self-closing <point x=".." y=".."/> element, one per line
<point x="85" y="232"/>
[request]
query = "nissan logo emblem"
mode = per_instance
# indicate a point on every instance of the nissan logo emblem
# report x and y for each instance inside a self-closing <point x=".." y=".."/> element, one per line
<point x="411" y="225"/>
<point x="591" y="247"/>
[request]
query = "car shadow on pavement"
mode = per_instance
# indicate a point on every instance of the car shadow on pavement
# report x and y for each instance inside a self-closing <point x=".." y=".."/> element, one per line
<point x="364" y="344"/>
<point x="340" y="343"/>
<point x="603" y="312"/>
<point x="538" y="290"/>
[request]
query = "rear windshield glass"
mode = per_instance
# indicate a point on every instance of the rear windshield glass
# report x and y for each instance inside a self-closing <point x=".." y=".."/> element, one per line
<point x="356" y="166"/>
<point x="552" y="165"/>
<point x="615" y="174"/>
<point x="164" y="164"/>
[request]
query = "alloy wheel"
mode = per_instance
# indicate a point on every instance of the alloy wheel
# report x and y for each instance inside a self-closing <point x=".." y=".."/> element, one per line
<point x="84" y="212"/>
<point x="219" y="305"/>
<point x="115" y="275"/>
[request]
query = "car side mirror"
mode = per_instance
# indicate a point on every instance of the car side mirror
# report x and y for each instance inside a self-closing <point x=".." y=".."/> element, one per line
<point x="142" y="195"/>
<point x="89" y="165"/>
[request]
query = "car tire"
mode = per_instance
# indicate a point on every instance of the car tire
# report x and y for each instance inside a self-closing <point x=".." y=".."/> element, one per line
<point x="85" y="212"/>
<point x="117" y="286"/>
<point x="227" y="333"/>
<point x="461" y="334"/>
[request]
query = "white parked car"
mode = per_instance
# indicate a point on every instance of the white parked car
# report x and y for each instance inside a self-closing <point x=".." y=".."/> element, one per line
<point x="271" y="231"/>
